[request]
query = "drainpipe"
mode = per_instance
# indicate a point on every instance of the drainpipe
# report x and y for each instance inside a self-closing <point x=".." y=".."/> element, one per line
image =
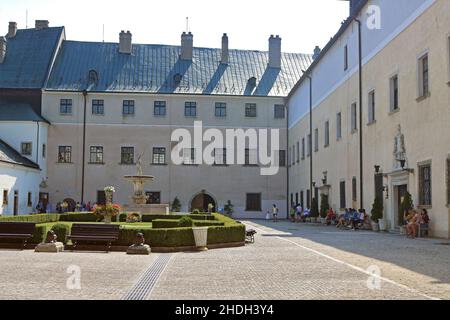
<point x="84" y="146"/>
<point x="310" y="141"/>
<point x="361" y="186"/>
<point x="286" y="108"/>
<point x="37" y="143"/>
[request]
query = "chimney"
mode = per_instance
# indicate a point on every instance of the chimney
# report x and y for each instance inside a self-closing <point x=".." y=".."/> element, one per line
<point x="125" y="43"/>
<point x="12" y="30"/>
<point x="187" y="46"/>
<point x="41" y="24"/>
<point x="2" y="49"/>
<point x="225" y="52"/>
<point x="317" y="51"/>
<point x="353" y="5"/>
<point x="275" y="52"/>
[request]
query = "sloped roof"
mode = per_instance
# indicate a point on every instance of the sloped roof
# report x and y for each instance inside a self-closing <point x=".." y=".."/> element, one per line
<point x="19" y="112"/>
<point x="10" y="155"/>
<point x="152" y="69"/>
<point x="28" y="58"/>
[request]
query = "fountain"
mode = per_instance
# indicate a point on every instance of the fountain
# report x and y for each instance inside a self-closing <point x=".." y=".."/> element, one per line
<point x="139" y="198"/>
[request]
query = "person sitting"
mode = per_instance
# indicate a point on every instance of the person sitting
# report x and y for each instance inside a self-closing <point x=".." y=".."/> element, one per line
<point x="343" y="219"/>
<point x="424" y="220"/>
<point x="413" y="225"/>
<point x="305" y="214"/>
<point x="331" y="216"/>
<point x="298" y="213"/>
<point x="355" y="219"/>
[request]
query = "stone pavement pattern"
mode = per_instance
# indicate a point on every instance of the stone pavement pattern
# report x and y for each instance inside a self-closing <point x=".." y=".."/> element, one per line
<point x="288" y="261"/>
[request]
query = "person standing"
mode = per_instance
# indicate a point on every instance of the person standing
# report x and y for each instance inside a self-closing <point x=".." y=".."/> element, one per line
<point x="275" y="213"/>
<point x="298" y="212"/>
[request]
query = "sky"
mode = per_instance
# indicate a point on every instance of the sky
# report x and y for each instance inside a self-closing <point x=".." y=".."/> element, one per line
<point x="302" y="24"/>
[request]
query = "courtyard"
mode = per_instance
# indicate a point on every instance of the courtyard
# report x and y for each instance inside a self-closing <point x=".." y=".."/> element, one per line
<point x="287" y="261"/>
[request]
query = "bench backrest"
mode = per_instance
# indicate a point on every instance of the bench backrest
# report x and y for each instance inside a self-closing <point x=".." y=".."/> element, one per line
<point x="95" y="230"/>
<point x="17" y="227"/>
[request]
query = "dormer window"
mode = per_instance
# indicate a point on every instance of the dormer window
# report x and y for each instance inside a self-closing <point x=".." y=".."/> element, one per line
<point x="177" y="78"/>
<point x="93" y="77"/>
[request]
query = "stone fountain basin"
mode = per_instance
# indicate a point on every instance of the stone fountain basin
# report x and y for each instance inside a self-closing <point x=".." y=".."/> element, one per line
<point x="139" y="178"/>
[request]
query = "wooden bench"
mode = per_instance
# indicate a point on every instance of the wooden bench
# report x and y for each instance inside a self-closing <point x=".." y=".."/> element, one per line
<point x="17" y="231"/>
<point x="250" y="235"/>
<point x="107" y="233"/>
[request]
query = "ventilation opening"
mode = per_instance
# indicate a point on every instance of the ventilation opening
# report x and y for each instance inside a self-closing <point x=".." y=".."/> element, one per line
<point x="177" y="78"/>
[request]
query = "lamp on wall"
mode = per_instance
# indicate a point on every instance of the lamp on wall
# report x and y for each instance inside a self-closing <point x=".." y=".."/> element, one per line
<point x="324" y="179"/>
<point x="377" y="168"/>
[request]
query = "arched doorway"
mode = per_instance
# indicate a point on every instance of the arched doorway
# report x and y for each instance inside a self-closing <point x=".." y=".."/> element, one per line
<point x="201" y="202"/>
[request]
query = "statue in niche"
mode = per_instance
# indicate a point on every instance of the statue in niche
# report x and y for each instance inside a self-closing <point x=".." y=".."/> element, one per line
<point x="399" y="148"/>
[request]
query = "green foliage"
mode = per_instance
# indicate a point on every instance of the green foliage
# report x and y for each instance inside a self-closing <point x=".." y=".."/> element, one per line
<point x="377" y="209"/>
<point x="151" y="218"/>
<point x="61" y="230"/>
<point x="78" y="217"/>
<point x="324" y="206"/>
<point x="180" y="237"/>
<point x="314" y="208"/>
<point x="176" y="205"/>
<point x="231" y="234"/>
<point x="195" y="211"/>
<point x="228" y="208"/>
<point x="406" y="205"/>
<point x="185" y="222"/>
<point x="37" y="218"/>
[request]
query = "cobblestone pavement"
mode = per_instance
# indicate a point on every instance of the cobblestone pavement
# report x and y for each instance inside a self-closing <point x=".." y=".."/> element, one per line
<point x="288" y="261"/>
<point x="292" y="261"/>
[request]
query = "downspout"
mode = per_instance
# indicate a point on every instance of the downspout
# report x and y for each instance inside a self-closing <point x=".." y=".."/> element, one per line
<point x="310" y="143"/>
<point x="361" y="186"/>
<point x="84" y="146"/>
<point x="287" y="166"/>
<point x="37" y="143"/>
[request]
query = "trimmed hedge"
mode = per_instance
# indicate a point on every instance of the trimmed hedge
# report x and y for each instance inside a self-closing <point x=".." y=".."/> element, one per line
<point x="150" y="218"/>
<point x="78" y="217"/>
<point x="37" y="218"/>
<point x="179" y="237"/>
<point x="168" y="224"/>
<point x="61" y="230"/>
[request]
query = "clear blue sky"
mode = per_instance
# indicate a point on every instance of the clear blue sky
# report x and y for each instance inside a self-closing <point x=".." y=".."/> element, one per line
<point x="301" y="23"/>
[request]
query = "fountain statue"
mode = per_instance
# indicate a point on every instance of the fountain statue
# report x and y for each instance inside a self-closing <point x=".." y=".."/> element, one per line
<point x="139" y="198"/>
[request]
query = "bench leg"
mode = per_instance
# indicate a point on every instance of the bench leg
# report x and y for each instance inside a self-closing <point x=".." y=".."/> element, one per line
<point x="108" y="246"/>
<point x="74" y="246"/>
<point x="24" y="243"/>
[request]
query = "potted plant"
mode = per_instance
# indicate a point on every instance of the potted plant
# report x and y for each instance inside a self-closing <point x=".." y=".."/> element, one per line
<point x="229" y="208"/>
<point x="324" y="207"/>
<point x="314" y="210"/>
<point x="376" y="213"/>
<point x="176" y="205"/>
<point x="107" y="212"/>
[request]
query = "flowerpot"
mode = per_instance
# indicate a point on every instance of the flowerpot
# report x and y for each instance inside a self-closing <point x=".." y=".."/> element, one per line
<point x="375" y="226"/>
<point x="107" y="219"/>
<point x="201" y="238"/>
<point x="382" y="224"/>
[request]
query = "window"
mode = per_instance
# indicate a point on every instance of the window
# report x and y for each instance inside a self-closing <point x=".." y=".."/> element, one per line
<point x="448" y="181"/>
<point x="342" y="194"/>
<point x="339" y="126"/>
<point x="345" y="58"/>
<point x="425" y="185"/>
<point x="153" y="197"/>
<point x="293" y="155"/>
<point x="189" y="156"/>
<point x="128" y="108"/>
<point x="371" y="110"/>
<point x="190" y="109"/>
<point x="316" y="140"/>
<point x="65" y="106"/>
<point x="282" y="158"/>
<point x="159" y="155"/>
<point x="98" y="107"/>
<point x="250" y="110"/>
<point x="301" y="199"/>
<point x="279" y="111"/>
<point x="308" y="199"/>
<point x="251" y="157"/>
<point x="298" y="151"/>
<point x="424" y="87"/>
<point x="394" y="105"/>
<point x="354" y="124"/>
<point x="127" y="155"/>
<point x="296" y="198"/>
<point x="159" y="109"/>
<point x="253" y="202"/>
<point x="26" y="148"/>
<point x="220" y="156"/>
<point x="309" y="145"/>
<point x="96" y="155"/>
<point x="221" y="109"/>
<point x="5" y="197"/>
<point x="29" y="200"/>
<point x="65" y="154"/>
<point x="354" y="190"/>
<point x="303" y="148"/>
<point x="44" y="151"/>
<point x="327" y="133"/>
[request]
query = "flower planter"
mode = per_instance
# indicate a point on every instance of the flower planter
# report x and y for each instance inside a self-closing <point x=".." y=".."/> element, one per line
<point x="107" y="219"/>
<point x="375" y="226"/>
<point x="201" y="238"/>
<point x="382" y="224"/>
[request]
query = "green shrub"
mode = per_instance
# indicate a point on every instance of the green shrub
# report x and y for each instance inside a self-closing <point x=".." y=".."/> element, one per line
<point x="180" y="237"/>
<point x="314" y="208"/>
<point x="209" y="224"/>
<point x="61" y="230"/>
<point x="195" y="211"/>
<point x="151" y="218"/>
<point x="40" y="233"/>
<point x="78" y="217"/>
<point x="185" y="222"/>
<point x="176" y="205"/>
<point x="377" y="209"/>
<point x="229" y="208"/>
<point x="164" y="224"/>
<point x="36" y="218"/>
<point x="123" y="217"/>
<point x="230" y="234"/>
<point x="324" y="206"/>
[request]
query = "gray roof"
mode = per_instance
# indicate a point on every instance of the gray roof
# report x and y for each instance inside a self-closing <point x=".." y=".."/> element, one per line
<point x="10" y="155"/>
<point x="19" y="112"/>
<point x="28" y="58"/>
<point x="153" y="69"/>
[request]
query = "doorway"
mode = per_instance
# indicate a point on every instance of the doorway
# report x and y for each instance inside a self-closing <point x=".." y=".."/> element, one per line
<point x="16" y="203"/>
<point x="43" y="198"/>
<point x="401" y="193"/>
<point x="201" y="202"/>
<point x="153" y="197"/>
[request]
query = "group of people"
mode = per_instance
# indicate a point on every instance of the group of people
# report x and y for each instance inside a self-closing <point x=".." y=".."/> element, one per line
<point x="413" y="219"/>
<point x="298" y="214"/>
<point x="353" y="219"/>
<point x="63" y="207"/>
